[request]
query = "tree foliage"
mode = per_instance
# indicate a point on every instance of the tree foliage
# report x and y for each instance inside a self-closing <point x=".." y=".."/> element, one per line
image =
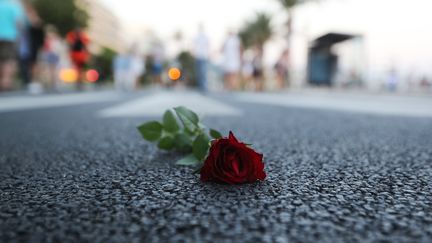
<point x="65" y="15"/>
<point x="289" y="4"/>
<point x="103" y="63"/>
<point x="187" y="65"/>
<point x="257" y="31"/>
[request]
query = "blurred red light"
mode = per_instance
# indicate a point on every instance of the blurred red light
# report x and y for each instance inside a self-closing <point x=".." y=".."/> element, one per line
<point x="92" y="75"/>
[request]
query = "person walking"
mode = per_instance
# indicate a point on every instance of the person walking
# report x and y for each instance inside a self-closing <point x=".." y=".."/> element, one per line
<point x="121" y="65"/>
<point x="201" y="54"/>
<point x="231" y="60"/>
<point x="51" y="55"/>
<point x="258" y="69"/>
<point x="247" y="69"/>
<point x="157" y="59"/>
<point x="128" y="68"/>
<point x="11" y="18"/>
<point x="30" y="43"/>
<point x="281" y="69"/>
<point x="78" y="52"/>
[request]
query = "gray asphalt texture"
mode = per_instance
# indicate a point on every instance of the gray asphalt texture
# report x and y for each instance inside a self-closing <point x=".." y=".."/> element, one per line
<point x="68" y="176"/>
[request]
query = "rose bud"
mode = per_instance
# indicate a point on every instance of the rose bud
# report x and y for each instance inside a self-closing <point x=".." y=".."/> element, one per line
<point x="232" y="162"/>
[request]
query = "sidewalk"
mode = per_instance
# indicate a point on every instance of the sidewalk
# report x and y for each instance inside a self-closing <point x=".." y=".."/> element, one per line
<point x="348" y="101"/>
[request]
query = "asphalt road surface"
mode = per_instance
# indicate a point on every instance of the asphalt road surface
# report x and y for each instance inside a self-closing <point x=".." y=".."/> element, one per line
<point x="73" y="168"/>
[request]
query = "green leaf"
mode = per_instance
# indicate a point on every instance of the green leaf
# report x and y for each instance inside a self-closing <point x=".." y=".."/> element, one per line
<point x="151" y="131"/>
<point x="166" y="143"/>
<point x="189" y="126"/>
<point x="200" y="146"/>
<point x="188" y="160"/>
<point x="192" y="116"/>
<point x="190" y="133"/>
<point x="215" y="134"/>
<point x="182" y="142"/>
<point x="188" y="118"/>
<point x="169" y="122"/>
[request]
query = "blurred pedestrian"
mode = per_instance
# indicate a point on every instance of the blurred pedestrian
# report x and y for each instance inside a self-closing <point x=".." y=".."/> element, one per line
<point x="231" y="51"/>
<point x="201" y="54"/>
<point x="392" y="80"/>
<point x="128" y="68"/>
<point x="78" y="51"/>
<point x="120" y="69"/>
<point x="157" y="56"/>
<point x="425" y="83"/>
<point x="137" y="68"/>
<point x="281" y="69"/>
<point x="247" y="69"/>
<point x="51" y="54"/>
<point x="11" y="18"/>
<point x="258" y="69"/>
<point x="31" y="41"/>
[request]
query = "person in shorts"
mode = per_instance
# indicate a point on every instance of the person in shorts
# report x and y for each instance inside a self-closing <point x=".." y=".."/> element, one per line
<point x="78" y="52"/>
<point x="158" y="56"/>
<point x="258" y="69"/>
<point x="51" y="51"/>
<point x="232" y="52"/>
<point x="11" y="17"/>
<point x="201" y="53"/>
<point x="30" y="43"/>
<point x="281" y="69"/>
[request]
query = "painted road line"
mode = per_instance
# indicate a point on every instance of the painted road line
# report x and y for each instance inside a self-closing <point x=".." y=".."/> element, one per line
<point x="56" y="100"/>
<point x="155" y="104"/>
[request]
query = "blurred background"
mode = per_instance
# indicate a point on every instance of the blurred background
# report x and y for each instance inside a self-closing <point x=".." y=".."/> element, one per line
<point x="259" y="45"/>
<point x="336" y="94"/>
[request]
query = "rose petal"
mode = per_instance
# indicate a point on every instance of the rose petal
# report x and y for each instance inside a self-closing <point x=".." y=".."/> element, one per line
<point x="232" y="137"/>
<point x="230" y="161"/>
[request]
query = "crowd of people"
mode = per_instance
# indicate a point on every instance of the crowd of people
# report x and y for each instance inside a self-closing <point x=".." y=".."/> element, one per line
<point x="127" y="69"/>
<point x="244" y="68"/>
<point x="240" y="68"/>
<point x="33" y="49"/>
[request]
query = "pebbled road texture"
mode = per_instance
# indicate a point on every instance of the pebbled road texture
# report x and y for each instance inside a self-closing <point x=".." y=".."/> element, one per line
<point x="68" y="176"/>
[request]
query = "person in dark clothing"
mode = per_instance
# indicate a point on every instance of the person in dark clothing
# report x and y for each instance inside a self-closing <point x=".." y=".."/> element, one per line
<point x="78" y="52"/>
<point x="281" y="69"/>
<point x="258" y="68"/>
<point x="31" y="42"/>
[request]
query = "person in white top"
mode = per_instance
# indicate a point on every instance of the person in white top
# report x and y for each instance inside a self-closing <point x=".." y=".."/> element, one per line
<point x="201" y="53"/>
<point x="128" y="69"/>
<point x="51" y="53"/>
<point x="231" y="60"/>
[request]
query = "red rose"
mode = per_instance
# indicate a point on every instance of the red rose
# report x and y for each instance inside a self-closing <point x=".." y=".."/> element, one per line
<point x="230" y="161"/>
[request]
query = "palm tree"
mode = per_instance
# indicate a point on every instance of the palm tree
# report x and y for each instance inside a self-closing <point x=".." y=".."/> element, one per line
<point x="289" y="5"/>
<point x="65" y="15"/>
<point x="256" y="32"/>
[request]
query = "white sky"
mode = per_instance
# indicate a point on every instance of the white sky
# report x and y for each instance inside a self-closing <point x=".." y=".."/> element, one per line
<point x="396" y="32"/>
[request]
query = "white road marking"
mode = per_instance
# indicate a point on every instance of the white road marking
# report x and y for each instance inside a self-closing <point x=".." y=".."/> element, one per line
<point x="54" y="100"/>
<point x="414" y="106"/>
<point x="156" y="104"/>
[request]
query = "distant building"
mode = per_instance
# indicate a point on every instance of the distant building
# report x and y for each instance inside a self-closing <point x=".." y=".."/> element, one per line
<point x="104" y="27"/>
